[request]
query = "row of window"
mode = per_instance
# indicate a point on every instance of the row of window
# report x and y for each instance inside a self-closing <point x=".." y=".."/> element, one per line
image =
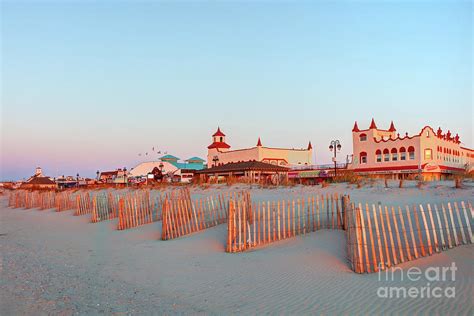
<point x="449" y="151"/>
<point x="391" y="155"/>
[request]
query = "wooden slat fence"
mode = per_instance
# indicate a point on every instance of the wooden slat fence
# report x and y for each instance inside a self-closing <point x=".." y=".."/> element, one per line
<point x="104" y="207"/>
<point x="379" y="237"/>
<point x="65" y="201"/>
<point x="83" y="204"/>
<point x="32" y="199"/>
<point x="137" y="209"/>
<point x="47" y="200"/>
<point x="182" y="216"/>
<point x="277" y="220"/>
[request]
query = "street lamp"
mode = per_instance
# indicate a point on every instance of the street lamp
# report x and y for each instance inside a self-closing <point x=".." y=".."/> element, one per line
<point x="125" y="175"/>
<point x="335" y="147"/>
<point x="97" y="175"/>
<point x="77" y="177"/>
<point x="215" y="159"/>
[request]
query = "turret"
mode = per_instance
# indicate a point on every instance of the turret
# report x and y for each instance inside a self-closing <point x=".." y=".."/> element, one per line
<point x="218" y="146"/>
<point x="392" y="127"/>
<point x="38" y="172"/>
<point x="372" y="124"/>
<point x="355" y="128"/>
<point x="218" y="136"/>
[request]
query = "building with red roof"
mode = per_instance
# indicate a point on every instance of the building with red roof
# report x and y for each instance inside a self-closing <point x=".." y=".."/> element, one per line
<point x="219" y="153"/>
<point x="429" y="154"/>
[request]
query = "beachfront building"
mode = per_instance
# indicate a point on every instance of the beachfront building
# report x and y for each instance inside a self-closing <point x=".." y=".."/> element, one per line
<point x="115" y="176"/>
<point x="38" y="181"/>
<point x="170" y="167"/>
<point x="250" y="171"/>
<point x="431" y="155"/>
<point x="219" y="153"/>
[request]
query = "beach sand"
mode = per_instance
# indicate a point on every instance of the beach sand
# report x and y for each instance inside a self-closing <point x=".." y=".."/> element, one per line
<point x="56" y="263"/>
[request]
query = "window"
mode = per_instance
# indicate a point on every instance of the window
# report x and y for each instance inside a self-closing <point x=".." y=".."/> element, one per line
<point x="428" y="154"/>
<point x="411" y="153"/>
<point x="363" y="157"/>
<point x="403" y="153"/>
<point x="386" y="155"/>
<point x="378" y="155"/>
<point x="221" y="139"/>
<point x="363" y="137"/>
<point x="394" y="154"/>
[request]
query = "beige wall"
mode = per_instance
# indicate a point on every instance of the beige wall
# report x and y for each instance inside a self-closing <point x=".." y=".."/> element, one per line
<point x="231" y="155"/>
<point x="370" y="146"/>
<point x="279" y="156"/>
<point x="426" y="140"/>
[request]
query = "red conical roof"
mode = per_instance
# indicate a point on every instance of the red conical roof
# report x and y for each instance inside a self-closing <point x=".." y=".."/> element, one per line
<point x="218" y="145"/>
<point x="372" y="125"/>
<point x="392" y="127"/>
<point x="218" y="133"/>
<point x="310" y="146"/>
<point x="259" y="143"/>
<point x="355" y="128"/>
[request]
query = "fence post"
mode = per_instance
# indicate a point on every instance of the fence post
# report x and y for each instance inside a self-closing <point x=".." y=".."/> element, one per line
<point x="404" y="231"/>
<point x="364" y="237"/>
<point x="369" y="226"/>
<point x="377" y="232"/>
<point x="435" y="237"/>
<point x="387" y="253"/>
<point x="471" y="238"/>
<point x="461" y="228"/>
<point x="417" y="221"/>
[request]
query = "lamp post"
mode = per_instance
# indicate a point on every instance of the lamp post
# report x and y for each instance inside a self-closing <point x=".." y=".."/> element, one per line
<point x="97" y="175"/>
<point x="125" y="176"/>
<point x="77" y="178"/>
<point x="335" y="147"/>
<point x="215" y="159"/>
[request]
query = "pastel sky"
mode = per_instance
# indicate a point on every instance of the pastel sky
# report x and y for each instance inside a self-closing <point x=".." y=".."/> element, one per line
<point x="89" y="85"/>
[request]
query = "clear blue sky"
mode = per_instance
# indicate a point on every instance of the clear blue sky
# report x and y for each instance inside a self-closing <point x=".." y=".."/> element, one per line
<point x="89" y="85"/>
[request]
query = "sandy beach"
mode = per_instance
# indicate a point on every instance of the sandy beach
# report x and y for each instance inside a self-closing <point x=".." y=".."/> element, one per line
<point x="56" y="263"/>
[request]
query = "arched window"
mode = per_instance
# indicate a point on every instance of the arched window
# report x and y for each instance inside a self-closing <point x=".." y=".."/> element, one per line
<point x="378" y="155"/>
<point x="394" y="154"/>
<point x="411" y="152"/>
<point x="403" y="153"/>
<point x="363" y="137"/>
<point x="363" y="157"/>
<point x="386" y="155"/>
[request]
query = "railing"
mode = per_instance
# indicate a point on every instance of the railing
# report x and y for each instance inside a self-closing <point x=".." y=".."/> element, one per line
<point x="320" y="167"/>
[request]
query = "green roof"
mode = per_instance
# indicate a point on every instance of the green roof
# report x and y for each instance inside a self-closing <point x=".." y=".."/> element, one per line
<point x="190" y="165"/>
<point x="195" y="159"/>
<point x="169" y="157"/>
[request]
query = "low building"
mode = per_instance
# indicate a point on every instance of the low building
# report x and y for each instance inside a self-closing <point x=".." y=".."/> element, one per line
<point x="219" y="153"/>
<point x="430" y="155"/>
<point x="38" y="181"/>
<point x="108" y="176"/>
<point x="252" y="171"/>
<point x="115" y="176"/>
<point x="170" y="167"/>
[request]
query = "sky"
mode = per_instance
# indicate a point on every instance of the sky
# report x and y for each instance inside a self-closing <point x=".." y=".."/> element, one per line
<point x="90" y="85"/>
